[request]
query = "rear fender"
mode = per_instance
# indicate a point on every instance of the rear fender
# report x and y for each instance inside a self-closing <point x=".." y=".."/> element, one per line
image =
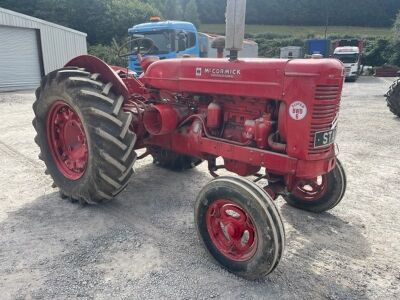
<point x="95" y="65"/>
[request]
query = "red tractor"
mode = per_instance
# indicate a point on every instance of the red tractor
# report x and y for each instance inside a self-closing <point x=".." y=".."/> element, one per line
<point x="272" y="119"/>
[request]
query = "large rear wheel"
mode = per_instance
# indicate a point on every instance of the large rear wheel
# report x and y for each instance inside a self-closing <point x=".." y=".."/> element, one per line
<point x="240" y="226"/>
<point x="319" y="194"/>
<point x="83" y="135"/>
<point x="393" y="98"/>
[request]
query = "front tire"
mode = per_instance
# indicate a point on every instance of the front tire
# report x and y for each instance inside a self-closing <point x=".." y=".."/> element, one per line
<point x="240" y="226"/>
<point x="83" y="135"/>
<point x="319" y="194"/>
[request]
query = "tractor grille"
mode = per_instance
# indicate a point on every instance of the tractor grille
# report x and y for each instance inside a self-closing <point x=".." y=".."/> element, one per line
<point x="326" y="107"/>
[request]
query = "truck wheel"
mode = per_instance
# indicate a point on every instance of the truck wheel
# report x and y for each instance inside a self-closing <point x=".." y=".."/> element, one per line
<point x="83" y="135"/>
<point x="173" y="161"/>
<point x="320" y="194"/>
<point x="393" y="98"/>
<point x="240" y="226"/>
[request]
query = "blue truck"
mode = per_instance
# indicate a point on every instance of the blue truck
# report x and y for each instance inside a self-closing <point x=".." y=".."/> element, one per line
<point x="174" y="39"/>
<point x="318" y="46"/>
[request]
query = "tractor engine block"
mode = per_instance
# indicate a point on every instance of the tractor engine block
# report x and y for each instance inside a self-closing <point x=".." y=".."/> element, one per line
<point x="247" y="122"/>
<point x="242" y="120"/>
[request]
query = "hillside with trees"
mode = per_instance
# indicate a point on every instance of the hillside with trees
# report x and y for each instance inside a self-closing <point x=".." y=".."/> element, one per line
<point x="106" y="21"/>
<point x="369" y="13"/>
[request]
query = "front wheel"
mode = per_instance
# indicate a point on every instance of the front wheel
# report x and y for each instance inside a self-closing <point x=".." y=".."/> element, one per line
<point x="319" y="194"/>
<point x="240" y="226"/>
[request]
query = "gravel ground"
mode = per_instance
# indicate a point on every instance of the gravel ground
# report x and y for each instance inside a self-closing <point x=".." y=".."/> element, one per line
<point x="144" y="245"/>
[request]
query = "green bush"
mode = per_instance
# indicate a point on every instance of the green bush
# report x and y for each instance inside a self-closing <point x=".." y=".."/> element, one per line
<point x="381" y="51"/>
<point x="394" y="54"/>
<point x="375" y="52"/>
<point x="109" y="53"/>
<point x="271" y="47"/>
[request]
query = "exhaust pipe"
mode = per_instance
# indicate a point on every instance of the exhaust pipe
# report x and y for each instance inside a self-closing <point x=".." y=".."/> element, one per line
<point x="235" y="24"/>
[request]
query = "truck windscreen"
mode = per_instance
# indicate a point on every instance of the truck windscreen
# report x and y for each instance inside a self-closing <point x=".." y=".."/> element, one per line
<point x="347" y="58"/>
<point x="162" y="41"/>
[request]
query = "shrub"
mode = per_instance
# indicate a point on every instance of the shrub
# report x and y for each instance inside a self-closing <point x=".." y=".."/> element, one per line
<point x="109" y="53"/>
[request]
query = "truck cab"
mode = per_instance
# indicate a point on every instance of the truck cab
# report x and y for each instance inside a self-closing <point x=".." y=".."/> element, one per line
<point x="171" y="39"/>
<point x="350" y="57"/>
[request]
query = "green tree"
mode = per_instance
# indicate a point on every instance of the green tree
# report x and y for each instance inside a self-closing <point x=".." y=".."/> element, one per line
<point x="191" y="14"/>
<point x="173" y="10"/>
<point x="396" y="27"/>
<point x="394" y="56"/>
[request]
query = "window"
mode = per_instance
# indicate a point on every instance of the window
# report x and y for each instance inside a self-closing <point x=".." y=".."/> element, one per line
<point x="347" y="58"/>
<point x="185" y="40"/>
<point x="191" y="39"/>
<point x="162" y="41"/>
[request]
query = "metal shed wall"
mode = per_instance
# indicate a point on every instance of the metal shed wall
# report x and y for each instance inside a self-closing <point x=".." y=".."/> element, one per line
<point x="17" y="73"/>
<point x="58" y="43"/>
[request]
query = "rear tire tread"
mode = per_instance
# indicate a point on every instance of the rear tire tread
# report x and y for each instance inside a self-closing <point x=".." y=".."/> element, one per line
<point x="107" y="127"/>
<point x="393" y="98"/>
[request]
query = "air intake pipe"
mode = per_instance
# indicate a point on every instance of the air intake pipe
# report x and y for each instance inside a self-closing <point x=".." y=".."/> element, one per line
<point x="160" y="119"/>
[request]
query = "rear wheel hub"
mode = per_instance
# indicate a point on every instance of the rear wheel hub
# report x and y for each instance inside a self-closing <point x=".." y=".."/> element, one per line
<point x="67" y="140"/>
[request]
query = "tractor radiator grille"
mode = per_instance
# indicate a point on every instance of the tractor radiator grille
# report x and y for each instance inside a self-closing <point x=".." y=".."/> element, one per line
<point x="326" y="107"/>
<point x="327" y="92"/>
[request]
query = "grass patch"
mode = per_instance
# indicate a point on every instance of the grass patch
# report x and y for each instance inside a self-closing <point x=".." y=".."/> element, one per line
<point x="304" y="31"/>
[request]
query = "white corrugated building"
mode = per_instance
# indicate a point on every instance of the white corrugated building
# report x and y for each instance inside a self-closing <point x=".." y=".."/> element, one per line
<point x="31" y="48"/>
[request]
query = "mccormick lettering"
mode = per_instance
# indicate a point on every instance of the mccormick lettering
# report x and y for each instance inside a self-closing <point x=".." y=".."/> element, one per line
<point x="229" y="72"/>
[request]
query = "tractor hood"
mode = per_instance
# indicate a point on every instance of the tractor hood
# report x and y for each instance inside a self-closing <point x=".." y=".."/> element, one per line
<point x="244" y="77"/>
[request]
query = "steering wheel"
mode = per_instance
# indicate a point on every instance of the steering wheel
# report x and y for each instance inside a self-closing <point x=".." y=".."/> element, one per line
<point x="140" y="46"/>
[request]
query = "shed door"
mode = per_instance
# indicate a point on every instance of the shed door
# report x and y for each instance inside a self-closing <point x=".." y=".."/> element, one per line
<point x="19" y="59"/>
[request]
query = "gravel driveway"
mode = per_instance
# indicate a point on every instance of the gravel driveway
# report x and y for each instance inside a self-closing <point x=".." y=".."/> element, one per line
<point x="144" y="245"/>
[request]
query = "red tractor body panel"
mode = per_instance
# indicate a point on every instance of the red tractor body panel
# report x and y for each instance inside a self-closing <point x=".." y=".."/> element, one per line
<point x="248" y="78"/>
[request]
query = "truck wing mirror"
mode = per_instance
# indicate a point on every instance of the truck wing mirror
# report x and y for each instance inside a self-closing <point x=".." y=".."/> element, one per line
<point x="181" y="45"/>
<point x="182" y="39"/>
